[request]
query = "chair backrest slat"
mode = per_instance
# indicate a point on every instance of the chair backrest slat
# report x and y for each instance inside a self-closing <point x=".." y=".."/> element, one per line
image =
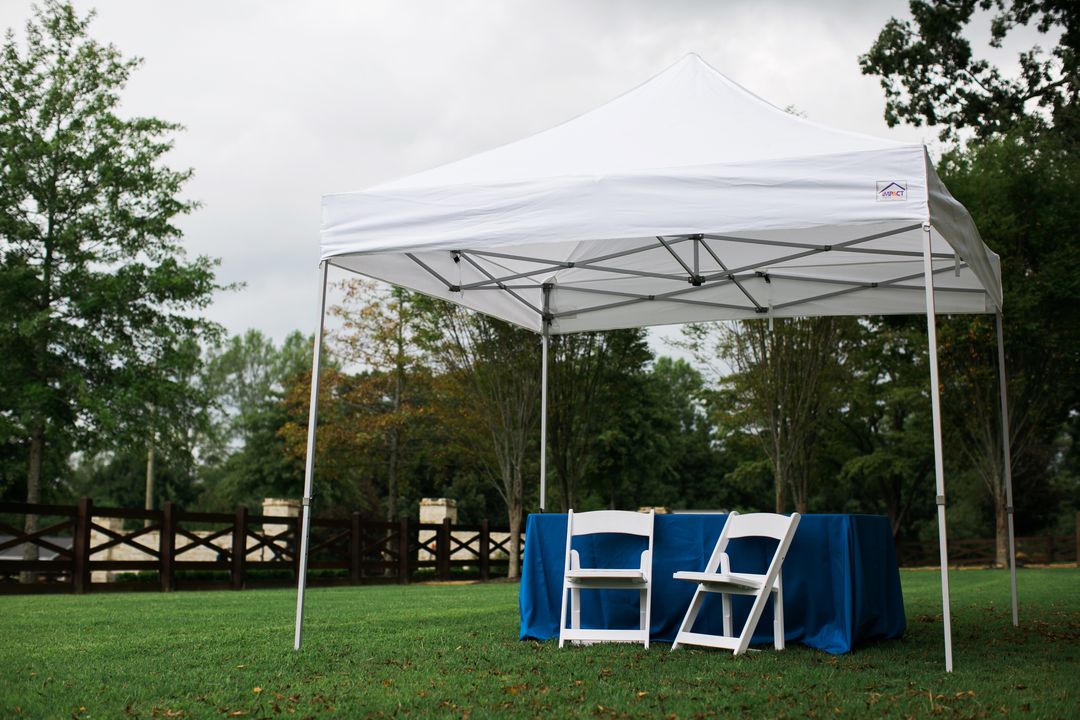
<point x="611" y="521"/>
<point x="757" y="525"/>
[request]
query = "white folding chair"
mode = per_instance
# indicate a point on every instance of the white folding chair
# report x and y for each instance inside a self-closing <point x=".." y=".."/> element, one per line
<point x="718" y="578"/>
<point x="577" y="578"/>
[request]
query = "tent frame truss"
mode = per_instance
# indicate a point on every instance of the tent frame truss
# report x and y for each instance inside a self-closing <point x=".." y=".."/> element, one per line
<point x="693" y="277"/>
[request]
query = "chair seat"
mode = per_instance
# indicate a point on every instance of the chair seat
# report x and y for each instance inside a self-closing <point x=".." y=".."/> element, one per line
<point x="584" y="575"/>
<point x="732" y="580"/>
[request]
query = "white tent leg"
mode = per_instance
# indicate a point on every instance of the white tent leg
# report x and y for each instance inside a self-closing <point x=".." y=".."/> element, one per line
<point x="1007" y="469"/>
<point x="543" y="399"/>
<point x="939" y="464"/>
<point x="309" y="467"/>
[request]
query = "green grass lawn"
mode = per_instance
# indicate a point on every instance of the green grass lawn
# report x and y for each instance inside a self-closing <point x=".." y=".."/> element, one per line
<point x="452" y="651"/>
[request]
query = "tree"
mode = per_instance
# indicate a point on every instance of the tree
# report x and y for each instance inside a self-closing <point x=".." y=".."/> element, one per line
<point x="1019" y="189"/>
<point x="93" y="279"/>
<point x="587" y="379"/>
<point x="655" y="445"/>
<point x="497" y="367"/>
<point x="884" y="432"/>
<point x="784" y="376"/>
<point x="930" y="74"/>
<point x="344" y="466"/>
<point x="377" y="333"/>
<point x="248" y="378"/>
<point x="1017" y="176"/>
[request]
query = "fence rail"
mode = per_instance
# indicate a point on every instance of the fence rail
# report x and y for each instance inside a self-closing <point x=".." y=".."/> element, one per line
<point x="975" y="552"/>
<point x="173" y="549"/>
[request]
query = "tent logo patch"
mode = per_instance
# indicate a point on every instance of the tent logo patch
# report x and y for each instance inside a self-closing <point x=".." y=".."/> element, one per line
<point x="891" y="191"/>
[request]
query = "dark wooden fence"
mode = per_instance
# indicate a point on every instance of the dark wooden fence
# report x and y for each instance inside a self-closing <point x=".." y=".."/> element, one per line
<point x="1035" y="550"/>
<point x="233" y="550"/>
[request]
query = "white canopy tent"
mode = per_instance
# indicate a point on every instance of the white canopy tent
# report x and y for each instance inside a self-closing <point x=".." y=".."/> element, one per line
<point x="686" y="199"/>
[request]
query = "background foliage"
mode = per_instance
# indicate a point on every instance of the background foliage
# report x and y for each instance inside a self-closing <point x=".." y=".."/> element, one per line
<point x="104" y="353"/>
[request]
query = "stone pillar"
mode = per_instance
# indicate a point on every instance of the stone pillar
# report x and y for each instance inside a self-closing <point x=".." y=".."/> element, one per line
<point x="435" y="510"/>
<point x="278" y="507"/>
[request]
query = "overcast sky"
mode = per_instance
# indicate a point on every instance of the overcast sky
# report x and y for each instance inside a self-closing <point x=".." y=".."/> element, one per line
<point x="286" y="101"/>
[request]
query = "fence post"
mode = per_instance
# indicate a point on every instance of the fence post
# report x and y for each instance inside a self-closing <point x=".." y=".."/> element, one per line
<point x="485" y="550"/>
<point x="80" y="546"/>
<point x="354" y="549"/>
<point x="167" y="547"/>
<point x="403" y="551"/>
<point x="239" y="548"/>
<point x="442" y="547"/>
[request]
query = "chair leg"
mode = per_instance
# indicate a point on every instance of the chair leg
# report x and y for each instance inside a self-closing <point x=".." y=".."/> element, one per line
<point x="562" y="616"/>
<point x="691" y="615"/>
<point x="575" y="608"/>
<point x="778" y="617"/>
<point x="643" y="616"/>
<point x="752" y="621"/>
<point x="727" y="614"/>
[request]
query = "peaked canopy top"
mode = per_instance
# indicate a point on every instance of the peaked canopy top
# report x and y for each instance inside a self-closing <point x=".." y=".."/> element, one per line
<point x="688" y="115"/>
<point x="687" y="198"/>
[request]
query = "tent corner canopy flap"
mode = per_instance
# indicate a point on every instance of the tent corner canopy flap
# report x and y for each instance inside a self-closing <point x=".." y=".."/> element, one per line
<point x="686" y="199"/>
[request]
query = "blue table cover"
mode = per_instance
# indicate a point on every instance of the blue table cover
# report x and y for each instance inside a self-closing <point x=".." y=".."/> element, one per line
<point x="841" y="579"/>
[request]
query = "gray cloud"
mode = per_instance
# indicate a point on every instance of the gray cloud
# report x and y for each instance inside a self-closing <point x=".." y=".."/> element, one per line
<point x="286" y="101"/>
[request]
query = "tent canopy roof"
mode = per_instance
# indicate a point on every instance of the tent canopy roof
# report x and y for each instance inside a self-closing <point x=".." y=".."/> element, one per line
<point x="686" y="199"/>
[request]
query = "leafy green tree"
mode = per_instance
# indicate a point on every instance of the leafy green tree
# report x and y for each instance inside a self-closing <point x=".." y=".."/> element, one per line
<point x="378" y="334"/>
<point x="883" y="439"/>
<point x="94" y="283"/>
<point x="785" y="376"/>
<point x="1019" y="189"/>
<point x="657" y="447"/>
<point x="346" y="472"/>
<point x="244" y="459"/>
<point x="1018" y="176"/>
<point x="247" y="377"/>
<point x="170" y="417"/>
<point x="586" y="384"/>
<point x="931" y="75"/>
<point x="497" y="369"/>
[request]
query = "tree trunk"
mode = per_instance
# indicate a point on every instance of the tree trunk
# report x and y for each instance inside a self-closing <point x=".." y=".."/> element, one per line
<point x="399" y="389"/>
<point x="564" y="485"/>
<point x="513" y="508"/>
<point x="779" y="477"/>
<point x="391" y="477"/>
<point x="780" y="499"/>
<point x="149" y="478"/>
<point x="1001" y="528"/>
<point x="33" y="494"/>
